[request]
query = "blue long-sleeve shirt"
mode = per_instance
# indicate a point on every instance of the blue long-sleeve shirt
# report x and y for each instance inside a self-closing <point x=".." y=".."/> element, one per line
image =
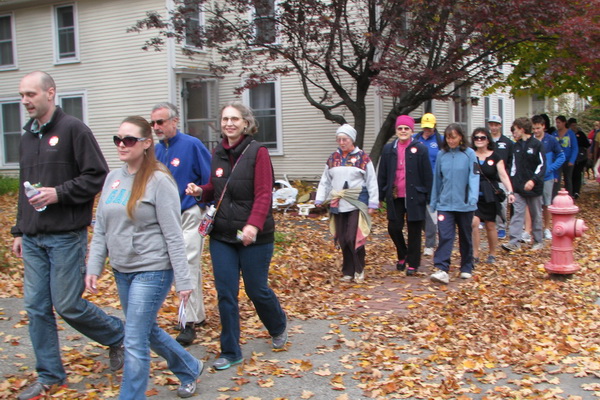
<point x="569" y="145"/>
<point x="188" y="160"/>
<point x="554" y="156"/>
<point x="455" y="181"/>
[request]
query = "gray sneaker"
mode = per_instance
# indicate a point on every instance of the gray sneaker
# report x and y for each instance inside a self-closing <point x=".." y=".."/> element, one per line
<point x="38" y="390"/>
<point x="222" y="363"/>
<point x="490" y="259"/>
<point x="116" y="356"/>
<point x="537" y="246"/>
<point x="440" y="276"/>
<point x="510" y="247"/>
<point x="189" y="389"/>
<point x="280" y="341"/>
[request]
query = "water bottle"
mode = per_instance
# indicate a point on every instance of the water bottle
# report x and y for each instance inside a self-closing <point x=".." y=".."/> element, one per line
<point x="31" y="191"/>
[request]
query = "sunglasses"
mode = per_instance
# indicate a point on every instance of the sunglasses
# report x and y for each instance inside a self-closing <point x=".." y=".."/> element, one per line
<point x="159" y="122"/>
<point x="128" y="141"/>
<point x="481" y="138"/>
<point x="402" y="128"/>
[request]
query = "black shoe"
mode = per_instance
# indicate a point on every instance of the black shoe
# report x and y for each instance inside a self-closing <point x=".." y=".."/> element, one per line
<point x="400" y="266"/>
<point x="410" y="271"/>
<point x="116" y="356"/>
<point x="187" y="335"/>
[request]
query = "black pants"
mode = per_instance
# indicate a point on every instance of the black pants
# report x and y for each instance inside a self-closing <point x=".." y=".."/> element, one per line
<point x="346" y="225"/>
<point x="577" y="175"/>
<point x="410" y="252"/>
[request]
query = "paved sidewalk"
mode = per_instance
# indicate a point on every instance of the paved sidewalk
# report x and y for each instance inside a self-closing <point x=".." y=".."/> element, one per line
<point x="319" y="363"/>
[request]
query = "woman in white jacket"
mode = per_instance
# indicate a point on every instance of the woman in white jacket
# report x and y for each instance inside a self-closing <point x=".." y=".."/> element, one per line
<point x="350" y="182"/>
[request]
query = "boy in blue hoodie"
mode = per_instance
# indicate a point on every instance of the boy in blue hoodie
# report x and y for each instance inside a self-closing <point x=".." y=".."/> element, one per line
<point x="554" y="160"/>
<point x="568" y="141"/>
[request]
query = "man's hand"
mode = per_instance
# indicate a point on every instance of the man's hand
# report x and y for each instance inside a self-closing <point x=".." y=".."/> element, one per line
<point x="91" y="282"/>
<point x="46" y="197"/>
<point x="18" y="247"/>
<point x="184" y="295"/>
<point x="529" y="185"/>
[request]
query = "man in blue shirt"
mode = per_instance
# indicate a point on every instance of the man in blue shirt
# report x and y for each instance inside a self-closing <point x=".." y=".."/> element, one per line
<point x="568" y="141"/>
<point x="554" y="160"/>
<point x="431" y="138"/>
<point x="189" y="161"/>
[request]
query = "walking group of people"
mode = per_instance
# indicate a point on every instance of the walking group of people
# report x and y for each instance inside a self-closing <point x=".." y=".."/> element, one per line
<point x="443" y="183"/>
<point x="146" y="224"/>
<point x="150" y="209"/>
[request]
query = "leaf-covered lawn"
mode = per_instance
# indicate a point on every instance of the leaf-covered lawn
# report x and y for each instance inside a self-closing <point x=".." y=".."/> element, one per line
<point x="417" y="339"/>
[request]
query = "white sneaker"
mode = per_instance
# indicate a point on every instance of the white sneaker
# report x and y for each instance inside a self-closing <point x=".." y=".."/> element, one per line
<point x="346" y="278"/>
<point x="440" y="276"/>
<point x="537" y="246"/>
<point x="359" y="278"/>
<point x="525" y="238"/>
<point x="465" y="275"/>
<point x="547" y="234"/>
<point x="428" y="252"/>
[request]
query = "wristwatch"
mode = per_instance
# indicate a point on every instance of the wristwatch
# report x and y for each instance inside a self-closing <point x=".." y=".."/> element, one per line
<point x="509" y="193"/>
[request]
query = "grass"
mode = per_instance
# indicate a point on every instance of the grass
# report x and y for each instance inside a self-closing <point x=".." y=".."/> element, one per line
<point x="8" y="185"/>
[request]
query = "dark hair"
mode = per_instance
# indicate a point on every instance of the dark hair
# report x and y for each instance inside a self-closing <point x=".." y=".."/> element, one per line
<point x="459" y="130"/>
<point x="491" y="144"/>
<point x="547" y="119"/>
<point x="538" y="119"/>
<point x="149" y="164"/>
<point x="523" y="123"/>
<point x="562" y="118"/>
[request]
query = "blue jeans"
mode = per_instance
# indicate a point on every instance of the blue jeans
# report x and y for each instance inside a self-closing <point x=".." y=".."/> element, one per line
<point x="54" y="277"/>
<point x="142" y="294"/>
<point x="447" y="221"/>
<point x="229" y="260"/>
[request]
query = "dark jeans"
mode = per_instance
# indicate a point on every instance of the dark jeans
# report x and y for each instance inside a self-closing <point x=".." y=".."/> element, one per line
<point x="566" y="171"/>
<point x="346" y="225"/>
<point x="411" y="252"/>
<point x="447" y="222"/>
<point x="252" y="262"/>
<point x="578" y="176"/>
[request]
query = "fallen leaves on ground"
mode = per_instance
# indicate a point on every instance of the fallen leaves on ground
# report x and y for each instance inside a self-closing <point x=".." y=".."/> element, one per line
<point x="416" y="339"/>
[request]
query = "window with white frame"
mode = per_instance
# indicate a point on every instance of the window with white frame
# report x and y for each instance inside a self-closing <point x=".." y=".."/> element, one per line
<point x="200" y="110"/>
<point x="501" y="108"/>
<point x="265" y="101"/>
<point x="461" y="107"/>
<point x="7" y="42"/>
<point x="65" y="34"/>
<point x="487" y="108"/>
<point x="73" y="104"/>
<point x="10" y="130"/>
<point x="194" y="22"/>
<point x="538" y="103"/>
<point x="263" y="17"/>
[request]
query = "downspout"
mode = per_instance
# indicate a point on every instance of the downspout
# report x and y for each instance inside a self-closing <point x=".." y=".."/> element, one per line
<point x="171" y="77"/>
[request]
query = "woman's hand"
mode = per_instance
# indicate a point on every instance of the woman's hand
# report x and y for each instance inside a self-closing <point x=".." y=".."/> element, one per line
<point x="91" y="282"/>
<point x="371" y="211"/>
<point x="511" y="198"/>
<point x="249" y="234"/>
<point x="193" y="190"/>
<point x="184" y="295"/>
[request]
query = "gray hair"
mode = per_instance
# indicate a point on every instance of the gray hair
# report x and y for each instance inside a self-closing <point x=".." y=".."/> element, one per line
<point x="247" y="115"/>
<point x="173" y="111"/>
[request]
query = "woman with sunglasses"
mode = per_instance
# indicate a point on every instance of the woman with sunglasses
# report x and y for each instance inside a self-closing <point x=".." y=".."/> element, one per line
<point x="404" y="180"/>
<point x="138" y="225"/>
<point x="492" y="170"/>
<point x="454" y="196"/>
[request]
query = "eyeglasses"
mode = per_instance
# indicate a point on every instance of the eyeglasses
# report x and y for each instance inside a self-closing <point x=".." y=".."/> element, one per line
<point x="481" y="138"/>
<point x="159" y="122"/>
<point x="128" y="141"/>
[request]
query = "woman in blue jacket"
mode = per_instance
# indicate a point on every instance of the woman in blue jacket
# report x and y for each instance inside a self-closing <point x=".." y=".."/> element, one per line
<point x="454" y="196"/>
<point x="404" y="181"/>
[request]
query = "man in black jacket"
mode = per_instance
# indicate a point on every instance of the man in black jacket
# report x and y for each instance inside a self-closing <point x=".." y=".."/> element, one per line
<point x="61" y="154"/>
<point x="527" y="177"/>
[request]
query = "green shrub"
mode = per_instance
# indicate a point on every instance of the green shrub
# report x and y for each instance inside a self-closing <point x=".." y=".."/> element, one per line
<point x="8" y="185"/>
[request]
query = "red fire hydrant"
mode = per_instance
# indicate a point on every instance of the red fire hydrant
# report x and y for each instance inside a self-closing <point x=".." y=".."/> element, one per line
<point x="564" y="229"/>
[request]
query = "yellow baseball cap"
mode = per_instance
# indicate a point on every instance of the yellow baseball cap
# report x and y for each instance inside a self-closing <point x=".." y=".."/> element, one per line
<point x="428" y="121"/>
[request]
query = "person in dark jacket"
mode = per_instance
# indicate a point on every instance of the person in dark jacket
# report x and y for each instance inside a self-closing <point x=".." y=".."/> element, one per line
<point x="242" y="240"/>
<point x="583" y="146"/>
<point x="59" y="152"/>
<point x="527" y="177"/>
<point x="404" y="180"/>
